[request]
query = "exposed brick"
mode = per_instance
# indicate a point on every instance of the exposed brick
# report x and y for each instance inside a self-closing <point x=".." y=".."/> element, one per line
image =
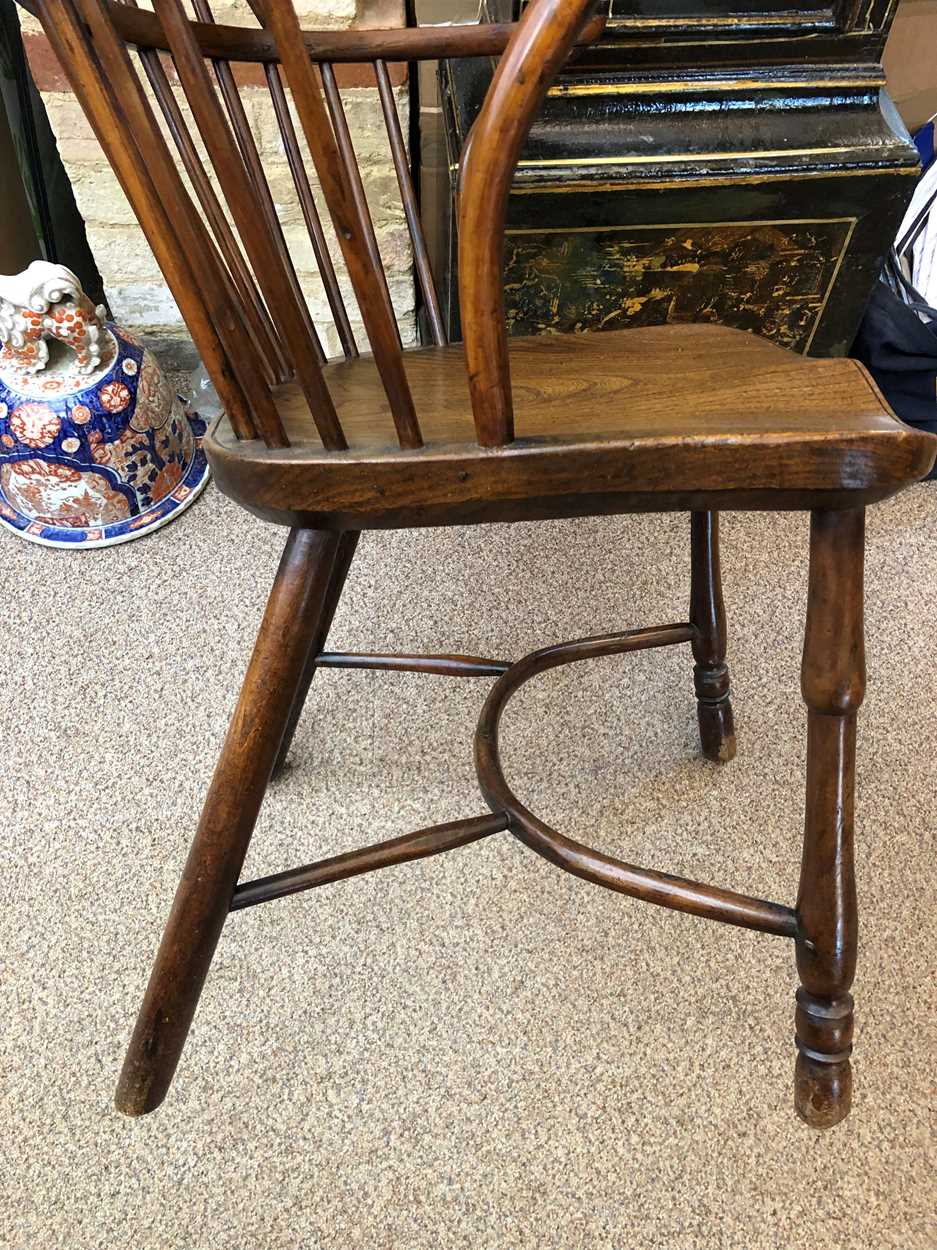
<point x="132" y="279"/>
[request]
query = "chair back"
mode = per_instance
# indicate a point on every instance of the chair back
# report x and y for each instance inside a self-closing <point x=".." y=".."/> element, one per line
<point x="209" y="213"/>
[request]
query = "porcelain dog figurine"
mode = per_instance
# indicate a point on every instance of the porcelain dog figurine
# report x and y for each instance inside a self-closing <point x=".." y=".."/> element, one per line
<point x="46" y="300"/>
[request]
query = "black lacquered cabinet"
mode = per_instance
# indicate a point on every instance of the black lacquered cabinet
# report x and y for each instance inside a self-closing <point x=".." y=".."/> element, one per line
<point x="699" y="164"/>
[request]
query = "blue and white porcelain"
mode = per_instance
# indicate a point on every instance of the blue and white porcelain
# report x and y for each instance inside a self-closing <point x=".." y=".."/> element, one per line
<point x="95" y="448"/>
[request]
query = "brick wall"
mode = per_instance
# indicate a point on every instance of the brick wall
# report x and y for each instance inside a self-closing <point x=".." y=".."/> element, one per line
<point x="135" y="288"/>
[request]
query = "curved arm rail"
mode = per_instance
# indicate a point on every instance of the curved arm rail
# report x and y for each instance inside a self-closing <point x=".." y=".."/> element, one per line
<point x="545" y="36"/>
<point x="677" y="893"/>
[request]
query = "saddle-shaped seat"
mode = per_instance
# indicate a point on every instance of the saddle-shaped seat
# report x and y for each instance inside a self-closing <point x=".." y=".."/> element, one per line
<point x="687" y="416"/>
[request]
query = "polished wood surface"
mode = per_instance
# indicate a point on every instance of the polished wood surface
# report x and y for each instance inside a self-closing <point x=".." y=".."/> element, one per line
<point x="443" y="665"/>
<point x="679" y="416"/>
<point x="544" y="39"/>
<point x="410" y="204"/>
<point x="143" y="29"/>
<point x="833" y="683"/>
<point x="419" y="845"/>
<point x="660" y="888"/>
<point x="688" y="417"/>
<point x="344" y="554"/>
<point x="708" y="614"/>
<point x="203" y="898"/>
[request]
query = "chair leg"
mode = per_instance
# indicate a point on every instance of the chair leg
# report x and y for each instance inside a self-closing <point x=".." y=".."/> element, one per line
<point x="708" y="614"/>
<point x="203" y="897"/>
<point x="347" y="546"/>
<point x="833" y="683"/>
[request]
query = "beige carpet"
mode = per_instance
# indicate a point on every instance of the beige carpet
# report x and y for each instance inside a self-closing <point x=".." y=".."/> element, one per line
<point x="475" y="1052"/>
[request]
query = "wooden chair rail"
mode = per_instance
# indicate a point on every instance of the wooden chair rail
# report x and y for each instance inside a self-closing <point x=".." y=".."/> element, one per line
<point x="419" y="845"/>
<point x="441" y="665"/>
<point x="676" y="893"/>
<point x="508" y="814"/>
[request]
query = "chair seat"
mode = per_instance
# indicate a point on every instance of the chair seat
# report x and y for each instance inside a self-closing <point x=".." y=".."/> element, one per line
<point x="662" y="418"/>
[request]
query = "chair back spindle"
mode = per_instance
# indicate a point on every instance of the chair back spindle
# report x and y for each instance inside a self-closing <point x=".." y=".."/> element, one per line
<point x="309" y="211"/>
<point x="215" y="229"/>
<point x="344" y="195"/>
<point x="255" y="315"/>
<point x="410" y="206"/>
<point x="237" y="184"/>
<point x="254" y="166"/>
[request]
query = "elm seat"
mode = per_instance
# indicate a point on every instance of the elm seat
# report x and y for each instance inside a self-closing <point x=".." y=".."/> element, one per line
<point x="699" y="415"/>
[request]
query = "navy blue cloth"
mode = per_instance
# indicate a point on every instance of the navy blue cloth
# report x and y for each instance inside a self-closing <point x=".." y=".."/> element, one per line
<point x="900" y="352"/>
<point x="924" y="142"/>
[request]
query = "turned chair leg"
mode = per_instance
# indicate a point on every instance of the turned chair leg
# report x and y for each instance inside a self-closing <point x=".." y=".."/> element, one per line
<point x="833" y="683"/>
<point x="347" y="546"/>
<point x="288" y="630"/>
<point x="708" y="614"/>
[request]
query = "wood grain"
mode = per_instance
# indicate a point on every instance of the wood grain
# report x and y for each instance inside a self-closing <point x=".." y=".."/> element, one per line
<point x="833" y="683"/>
<point x="333" y="157"/>
<point x="662" y="889"/>
<point x="678" y="417"/>
<point x="267" y="261"/>
<point x="544" y="39"/>
<point x="403" y="850"/>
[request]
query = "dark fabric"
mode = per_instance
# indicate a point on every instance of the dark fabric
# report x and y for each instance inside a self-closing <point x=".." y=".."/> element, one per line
<point x="924" y="141"/>
<point x="900" y="352"/>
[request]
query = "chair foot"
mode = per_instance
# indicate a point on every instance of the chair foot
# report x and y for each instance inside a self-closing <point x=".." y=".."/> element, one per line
<point x="707" y="613"/>
<point x="823" y="1073"/>
<point x="203" y="898"/>
<point x="716" y="725"/>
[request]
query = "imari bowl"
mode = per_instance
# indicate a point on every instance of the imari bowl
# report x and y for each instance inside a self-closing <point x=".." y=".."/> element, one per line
<point x="95" y="448"/>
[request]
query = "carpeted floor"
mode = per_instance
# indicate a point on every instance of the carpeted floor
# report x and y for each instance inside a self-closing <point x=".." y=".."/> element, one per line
<point x="474" y="1052"/>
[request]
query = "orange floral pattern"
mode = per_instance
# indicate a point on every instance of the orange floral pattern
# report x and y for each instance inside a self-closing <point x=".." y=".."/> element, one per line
<point x="112" y="457"/>
<point x="114" y="396"/>
<point x="36" y="425"/>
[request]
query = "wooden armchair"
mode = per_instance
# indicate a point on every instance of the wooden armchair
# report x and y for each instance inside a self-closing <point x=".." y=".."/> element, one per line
<point x="691" y="418"/>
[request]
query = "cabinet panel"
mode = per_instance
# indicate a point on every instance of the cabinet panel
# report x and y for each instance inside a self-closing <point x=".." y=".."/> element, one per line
<point x="759" y="195"/>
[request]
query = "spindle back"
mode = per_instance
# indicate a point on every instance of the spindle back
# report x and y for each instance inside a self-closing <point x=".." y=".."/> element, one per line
<point x="212" y="221"/>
